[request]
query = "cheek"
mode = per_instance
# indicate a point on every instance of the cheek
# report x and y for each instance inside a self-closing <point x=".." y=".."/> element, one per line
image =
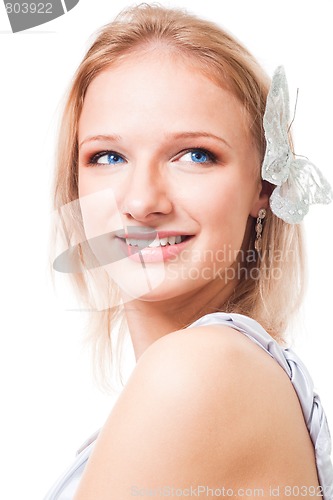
<point x="99" y="209"/>
<point x="98" y="204"/>
<point x="88" y="182"/>
<point x="223" y="214"/>
<point x="84" y="187"/>
<point x="223" y="201"/>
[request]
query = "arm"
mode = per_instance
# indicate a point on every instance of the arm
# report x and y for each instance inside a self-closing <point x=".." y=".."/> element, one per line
<point x="202" y="407"/>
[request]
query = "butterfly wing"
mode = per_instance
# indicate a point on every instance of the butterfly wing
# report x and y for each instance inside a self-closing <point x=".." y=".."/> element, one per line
<point x="305" y="186"/>
<point x="276" y="164"/>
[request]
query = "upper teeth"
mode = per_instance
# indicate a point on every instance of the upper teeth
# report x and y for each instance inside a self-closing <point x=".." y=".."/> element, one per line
<point x="171" y="240"/>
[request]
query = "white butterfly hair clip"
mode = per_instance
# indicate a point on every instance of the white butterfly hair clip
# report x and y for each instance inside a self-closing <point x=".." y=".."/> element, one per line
<point x="299" y="182"/>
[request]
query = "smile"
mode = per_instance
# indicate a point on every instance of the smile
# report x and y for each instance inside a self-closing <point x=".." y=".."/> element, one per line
<point x="154" y="247"/>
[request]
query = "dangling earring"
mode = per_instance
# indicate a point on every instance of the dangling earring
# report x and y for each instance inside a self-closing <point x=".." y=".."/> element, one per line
<point x="258" y="228"/>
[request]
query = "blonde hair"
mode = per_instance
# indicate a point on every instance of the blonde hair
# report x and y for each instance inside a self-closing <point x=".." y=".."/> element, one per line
<point x="271" y="297"/>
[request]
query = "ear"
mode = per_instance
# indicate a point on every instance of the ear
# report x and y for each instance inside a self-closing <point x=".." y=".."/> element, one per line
<point x="262" y="200"/>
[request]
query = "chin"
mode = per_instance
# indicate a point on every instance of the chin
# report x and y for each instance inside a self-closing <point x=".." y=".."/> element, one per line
<point x="168" y="290"/>
<point x="159" y="294"/>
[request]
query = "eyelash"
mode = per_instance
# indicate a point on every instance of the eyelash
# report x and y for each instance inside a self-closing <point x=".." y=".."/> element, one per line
<point x="211" y="156"/>
<point x="94" y="159"/>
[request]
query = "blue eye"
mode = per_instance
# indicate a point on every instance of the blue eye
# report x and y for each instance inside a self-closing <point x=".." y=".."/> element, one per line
<point x="198" y="156"/>
<point x="107" y="158"/>
<point x="112" y="159"/>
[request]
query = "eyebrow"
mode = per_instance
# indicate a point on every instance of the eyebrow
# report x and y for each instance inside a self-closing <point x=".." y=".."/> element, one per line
<point x="197" y="135"/>
<point x="177" y="135"/>
<point x="101" y="137"/>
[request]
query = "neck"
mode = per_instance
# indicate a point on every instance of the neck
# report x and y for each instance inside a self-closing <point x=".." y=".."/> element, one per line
<point x="150" y="320"/>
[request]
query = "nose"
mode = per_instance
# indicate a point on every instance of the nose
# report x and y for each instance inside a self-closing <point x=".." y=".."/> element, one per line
<point x="145" y="194"/>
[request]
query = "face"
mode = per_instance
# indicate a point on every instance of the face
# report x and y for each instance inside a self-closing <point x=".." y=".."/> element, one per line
<point x="166" y="159"/>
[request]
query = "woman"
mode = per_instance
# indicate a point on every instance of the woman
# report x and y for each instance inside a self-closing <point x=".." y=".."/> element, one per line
<point x="170" y="152"/>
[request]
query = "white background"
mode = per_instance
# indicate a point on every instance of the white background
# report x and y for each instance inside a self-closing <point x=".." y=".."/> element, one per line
<point x="49" y="404"/>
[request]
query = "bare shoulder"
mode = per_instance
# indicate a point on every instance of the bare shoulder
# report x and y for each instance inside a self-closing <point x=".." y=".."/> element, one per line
<point x="198" y="356"/>
<point x="203" y="406"/>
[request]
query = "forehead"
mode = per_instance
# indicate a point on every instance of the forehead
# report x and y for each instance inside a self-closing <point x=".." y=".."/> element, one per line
<point x="157" y="89"/>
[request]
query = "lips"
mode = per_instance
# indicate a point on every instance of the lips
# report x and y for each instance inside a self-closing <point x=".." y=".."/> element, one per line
<point x="152" y="246"/>
<point x="137" y="232"/>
